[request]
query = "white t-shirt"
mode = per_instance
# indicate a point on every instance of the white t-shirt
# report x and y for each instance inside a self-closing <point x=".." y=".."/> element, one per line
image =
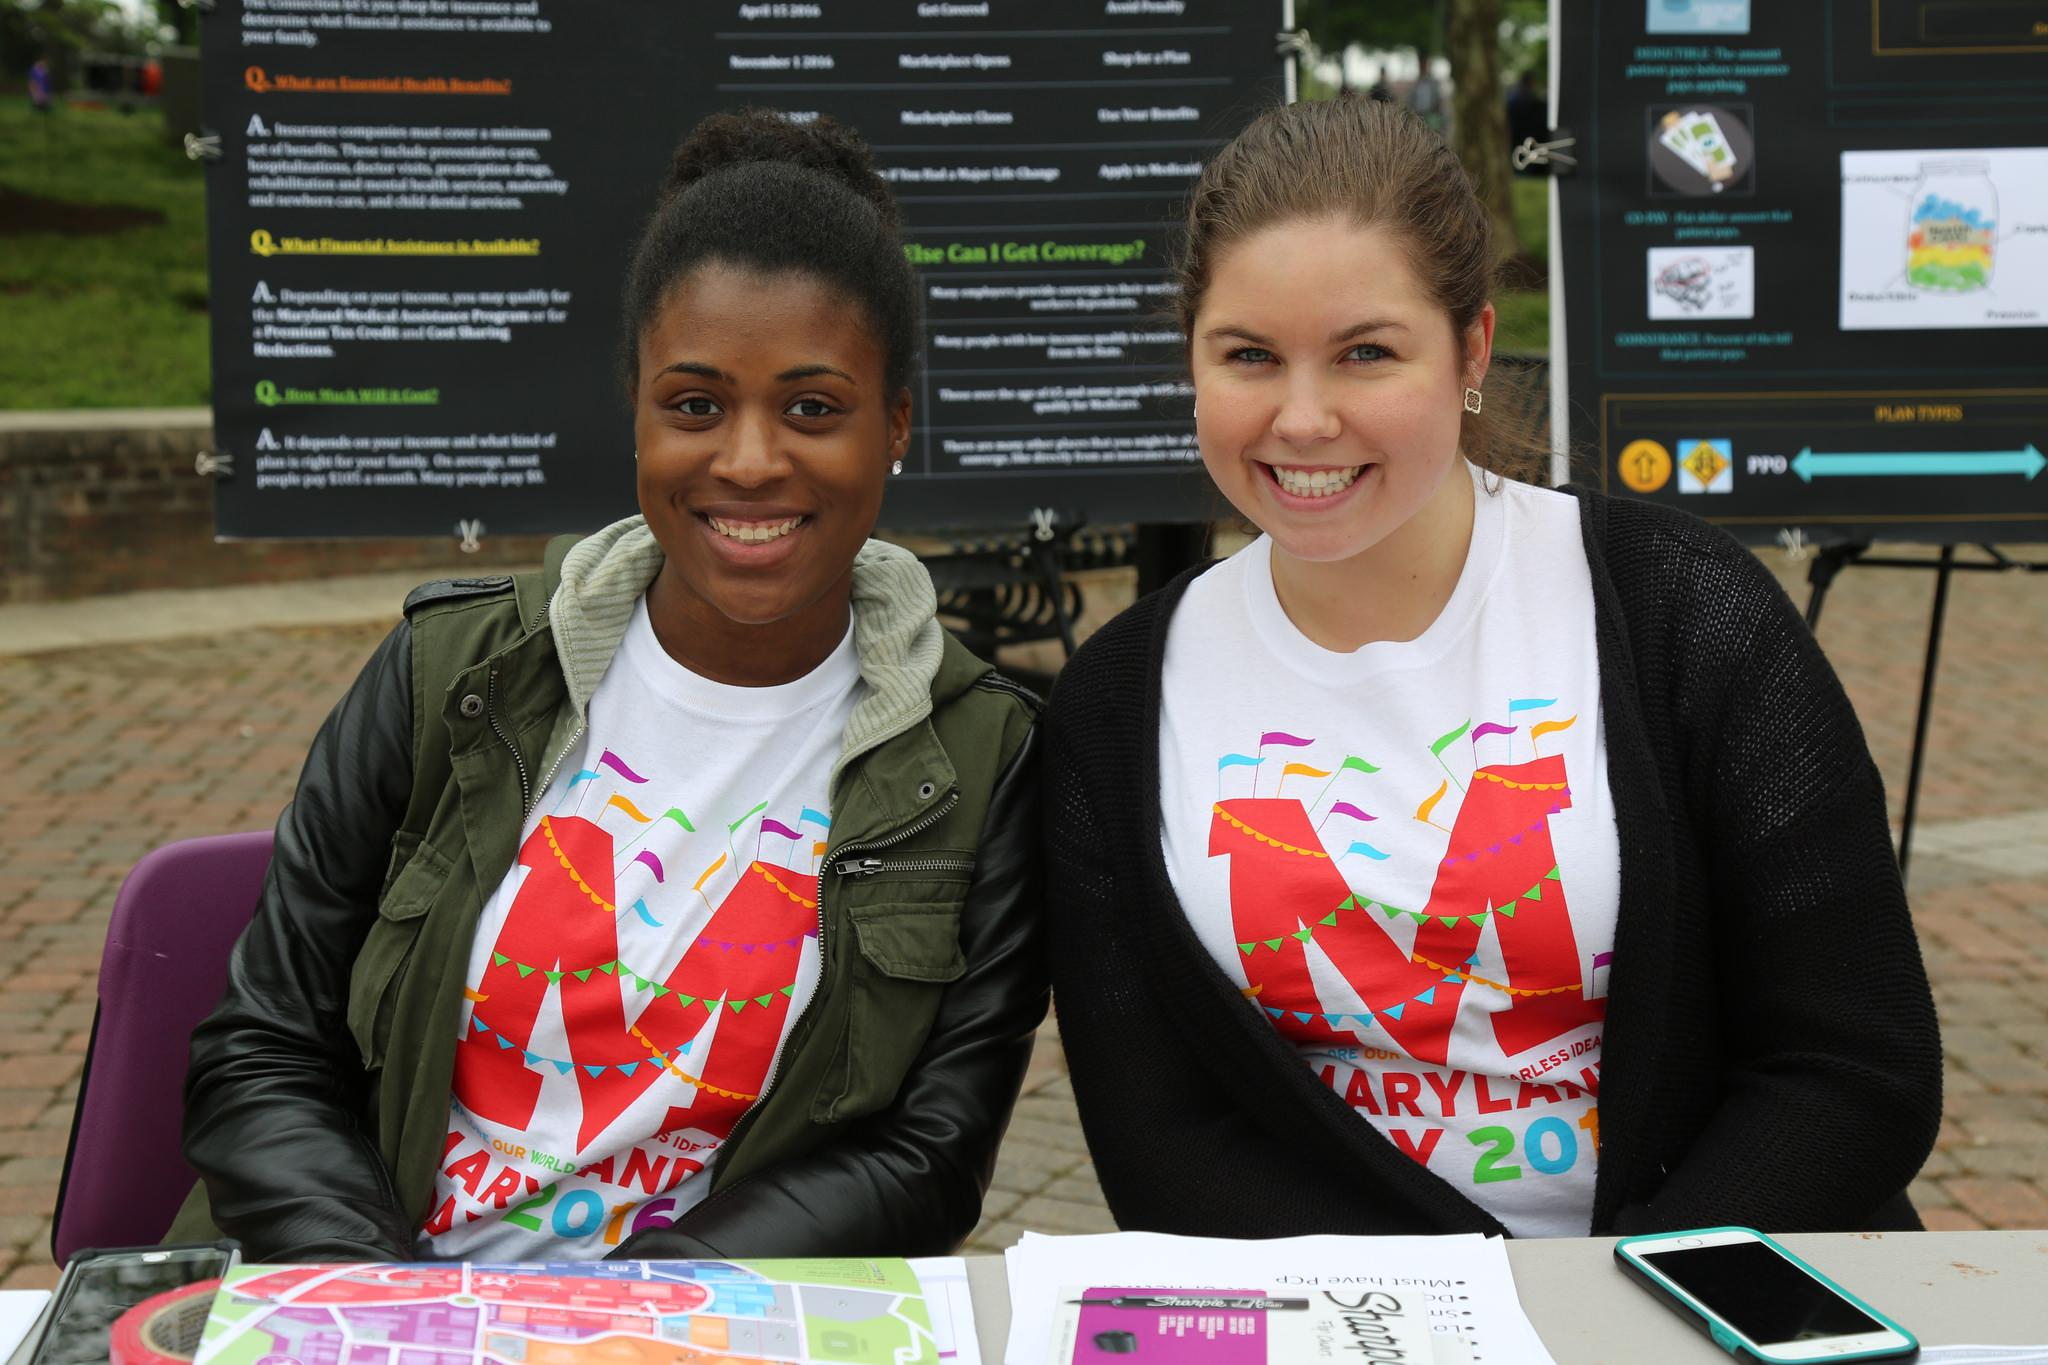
<point x="1406" y="855"/>
<point x="635" y="974"/>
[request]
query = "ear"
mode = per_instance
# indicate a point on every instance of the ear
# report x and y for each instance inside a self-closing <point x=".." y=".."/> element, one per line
<point x="899" y="425"/>
<point x="1479" y="347"/>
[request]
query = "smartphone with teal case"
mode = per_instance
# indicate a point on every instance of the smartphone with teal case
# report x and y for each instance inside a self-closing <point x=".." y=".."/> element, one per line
<point x="1756" y="1299"/>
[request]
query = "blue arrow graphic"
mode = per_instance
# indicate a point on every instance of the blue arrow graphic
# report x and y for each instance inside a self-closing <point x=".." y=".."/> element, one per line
<point x="2027" y="462"/>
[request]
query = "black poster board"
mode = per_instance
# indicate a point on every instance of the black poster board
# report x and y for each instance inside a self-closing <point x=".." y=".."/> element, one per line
<point x="1804" y="262"/>
<point x="421" y="210"/>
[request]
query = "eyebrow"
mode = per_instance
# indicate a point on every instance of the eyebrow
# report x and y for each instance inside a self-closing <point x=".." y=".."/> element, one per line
<point x="1356" y="329"/>
<point x="795" y="372"/>
<point x="1360" y="329"/>
<point x="697" y="368"/>
<point x="812" y="372"/>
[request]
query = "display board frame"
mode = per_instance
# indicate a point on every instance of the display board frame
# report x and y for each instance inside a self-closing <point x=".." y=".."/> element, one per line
<point x="1734" y="330"/>
<point x="416" y="237"/>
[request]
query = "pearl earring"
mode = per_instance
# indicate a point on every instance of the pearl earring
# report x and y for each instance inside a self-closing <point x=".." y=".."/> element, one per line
<point x="895" y="466"/>
<point x="1473" y="398"/>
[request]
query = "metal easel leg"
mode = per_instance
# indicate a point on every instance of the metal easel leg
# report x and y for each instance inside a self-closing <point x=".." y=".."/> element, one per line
<point x="1052" y="580"/>
<point x="1944" y="571"/>
<point x="1821" y="576"/>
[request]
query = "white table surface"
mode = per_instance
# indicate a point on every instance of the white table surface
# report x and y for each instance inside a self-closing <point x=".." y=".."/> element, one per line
<point x="1947" y="1288"/>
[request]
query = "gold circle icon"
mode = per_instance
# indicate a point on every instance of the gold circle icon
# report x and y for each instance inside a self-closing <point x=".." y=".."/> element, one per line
<point x="1645" y="466"/>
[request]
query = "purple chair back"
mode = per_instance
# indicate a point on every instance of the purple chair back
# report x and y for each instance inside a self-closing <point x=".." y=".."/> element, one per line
<point x="164" y="968"/>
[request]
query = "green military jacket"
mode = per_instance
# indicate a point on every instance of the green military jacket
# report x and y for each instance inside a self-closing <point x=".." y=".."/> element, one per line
<point x="896" y="1079"/>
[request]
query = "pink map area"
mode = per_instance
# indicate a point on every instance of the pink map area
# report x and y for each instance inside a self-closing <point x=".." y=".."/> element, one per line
<point x="631" y="1314"/>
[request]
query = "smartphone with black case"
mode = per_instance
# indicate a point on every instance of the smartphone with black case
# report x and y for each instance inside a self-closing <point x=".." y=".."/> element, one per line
<point x="1756" y="1299"/>
<point x="97" y="1287"/>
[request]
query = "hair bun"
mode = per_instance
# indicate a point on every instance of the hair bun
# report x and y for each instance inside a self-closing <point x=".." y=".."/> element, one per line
<point x="746" y="136"/>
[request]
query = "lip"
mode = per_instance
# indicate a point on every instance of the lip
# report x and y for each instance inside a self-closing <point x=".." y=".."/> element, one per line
<point x="1296" y="502"/>
<point x="761" y="554"/>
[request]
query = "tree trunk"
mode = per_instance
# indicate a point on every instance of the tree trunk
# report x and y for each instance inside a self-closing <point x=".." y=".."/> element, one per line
<point x="1479" y="120"/>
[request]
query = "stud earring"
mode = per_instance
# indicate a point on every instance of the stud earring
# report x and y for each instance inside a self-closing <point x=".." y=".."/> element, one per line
<point x="895" y="466"/>
<point x="1473" y="398"/>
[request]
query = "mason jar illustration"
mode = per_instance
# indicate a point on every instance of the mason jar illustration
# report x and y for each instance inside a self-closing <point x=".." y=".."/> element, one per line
<point x="1951" y="227"/>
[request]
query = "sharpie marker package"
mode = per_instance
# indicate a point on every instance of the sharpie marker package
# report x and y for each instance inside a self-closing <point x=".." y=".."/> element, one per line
<point x="1218" y="1326"/>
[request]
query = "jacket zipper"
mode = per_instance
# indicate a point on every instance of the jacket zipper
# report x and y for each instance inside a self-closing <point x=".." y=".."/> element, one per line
<point x="491" y="710"/>
<point x="539" y="617"/>
<point x="528" y="797"/>
<point x="548" y="781"/>
<point x="868" y="867"/>
<point x="910" y="831"/>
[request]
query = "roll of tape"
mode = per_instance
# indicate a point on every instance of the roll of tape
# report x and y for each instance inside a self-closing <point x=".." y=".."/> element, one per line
<point x="163" y="1330"/>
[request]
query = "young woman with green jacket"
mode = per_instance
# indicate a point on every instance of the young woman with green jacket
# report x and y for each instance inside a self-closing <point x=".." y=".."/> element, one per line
<point x="679" y="900"/>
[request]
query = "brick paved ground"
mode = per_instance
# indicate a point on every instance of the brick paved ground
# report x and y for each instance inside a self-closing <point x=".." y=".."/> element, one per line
<point x="106" y="752"/>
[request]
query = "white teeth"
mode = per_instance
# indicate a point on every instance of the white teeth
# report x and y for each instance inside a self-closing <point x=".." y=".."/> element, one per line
<point x="1315" y="483"/>
<point x="754" y="532"/>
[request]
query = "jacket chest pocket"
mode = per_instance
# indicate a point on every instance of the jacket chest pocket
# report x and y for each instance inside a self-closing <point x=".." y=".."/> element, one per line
<point x="387" y="952"/>
<point x="905" y="950"/>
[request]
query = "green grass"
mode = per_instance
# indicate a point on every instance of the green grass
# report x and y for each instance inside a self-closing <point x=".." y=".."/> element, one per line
<point x="1531" y="202"/>
<point x="98" y="321"/>
<point x="1524" y="324"/>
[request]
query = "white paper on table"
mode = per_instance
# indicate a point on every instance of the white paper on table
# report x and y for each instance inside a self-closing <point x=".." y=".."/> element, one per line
<point x="1983" y="1355"/>
<point x="19" y="1309"/>
<point x="951" y="1307"/>
<point x="1471" y="1287"/>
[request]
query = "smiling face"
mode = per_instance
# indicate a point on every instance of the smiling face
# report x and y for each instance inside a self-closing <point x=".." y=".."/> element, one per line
<point x="1330" y="389"/>
<point x="765" y="433"/>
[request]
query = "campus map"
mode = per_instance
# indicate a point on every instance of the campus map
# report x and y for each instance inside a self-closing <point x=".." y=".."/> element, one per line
<point x="617" y="1313"/>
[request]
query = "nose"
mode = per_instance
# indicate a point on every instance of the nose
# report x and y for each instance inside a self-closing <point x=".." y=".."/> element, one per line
<point x="752" y="456"/>
<point x="1306" y="416"/>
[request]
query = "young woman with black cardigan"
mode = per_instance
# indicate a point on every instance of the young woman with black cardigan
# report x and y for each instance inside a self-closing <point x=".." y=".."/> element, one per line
<point x="1462" y="855"/>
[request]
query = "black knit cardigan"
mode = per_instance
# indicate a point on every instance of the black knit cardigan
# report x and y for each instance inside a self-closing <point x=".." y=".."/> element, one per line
<point x="1770" y="1057"/>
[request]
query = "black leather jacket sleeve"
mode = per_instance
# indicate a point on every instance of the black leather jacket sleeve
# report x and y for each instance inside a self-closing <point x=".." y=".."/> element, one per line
<point x="276" y="1093"/>
<point x="909" y="1180"/>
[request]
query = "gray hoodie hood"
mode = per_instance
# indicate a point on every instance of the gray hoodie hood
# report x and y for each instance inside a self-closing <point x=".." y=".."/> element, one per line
<point x="896" y="634"/>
